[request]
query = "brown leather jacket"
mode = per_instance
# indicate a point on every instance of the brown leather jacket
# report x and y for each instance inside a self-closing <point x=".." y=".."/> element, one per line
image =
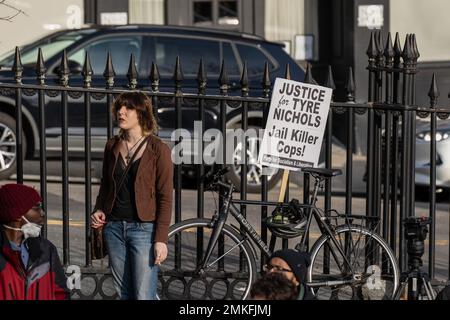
<point x="153" y="186"/>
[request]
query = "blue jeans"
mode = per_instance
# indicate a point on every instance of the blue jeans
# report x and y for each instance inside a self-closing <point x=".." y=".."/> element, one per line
<point x="131" y="257"/>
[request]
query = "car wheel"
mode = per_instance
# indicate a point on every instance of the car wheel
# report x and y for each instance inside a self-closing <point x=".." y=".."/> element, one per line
<point x="254" y="170"/>
<point x="8" y="151"/>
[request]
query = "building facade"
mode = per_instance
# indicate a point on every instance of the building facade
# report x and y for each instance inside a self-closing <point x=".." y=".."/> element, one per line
<point x="322" y="32"/>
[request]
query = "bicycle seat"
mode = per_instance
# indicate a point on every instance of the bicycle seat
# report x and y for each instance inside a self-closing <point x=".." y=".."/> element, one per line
<point x="323" y="172"/>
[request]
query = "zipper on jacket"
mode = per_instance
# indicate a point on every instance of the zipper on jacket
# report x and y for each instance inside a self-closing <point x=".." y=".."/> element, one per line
<point x="27" y="272"/>
<point x="26" y="289"/>
<point x="37" y="291"/>
<point x="11" y="291"/>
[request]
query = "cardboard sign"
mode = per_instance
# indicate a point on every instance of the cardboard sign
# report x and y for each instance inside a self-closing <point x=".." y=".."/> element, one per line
<point x="295" y="125"/>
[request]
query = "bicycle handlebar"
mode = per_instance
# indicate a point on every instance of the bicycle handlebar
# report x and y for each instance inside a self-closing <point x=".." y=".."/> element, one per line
<point x="211" y="178"/>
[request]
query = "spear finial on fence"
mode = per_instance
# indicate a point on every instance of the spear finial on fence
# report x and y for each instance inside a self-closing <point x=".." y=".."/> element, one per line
<point x="308" y="75"/>
<point x="244" y="80"/>
<point x="109" y="72"/>
<point x="287" y="72"/>
<point x="414" y="47"/>
<point x="223" y="78"/>
<point x="154" y="77"/>
<point x="266" y="79"/>
<point x="379" y="48"/>
<point x="372" y="49"/>
<point x="201" y="77"/>
<point x="17" y="67"/>
<point x="380" y="44"/>
<point x="64" y="70"/>
<point x="407" y="53"/>
<point x="132" y="73"/>
<point x="177" y="73"/>
<point x="40" y="68"/>
<point x="87" y="71"/>
<point x="389" y="52"/>
<point x="329" y="83"/>
<point x="433" y="93"/>
<point x="397" y="46"/>
<point x="350" y="86"/>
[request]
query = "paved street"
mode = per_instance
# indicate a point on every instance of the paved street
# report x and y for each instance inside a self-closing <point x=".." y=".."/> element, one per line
<point x="77" y="211"/>
<point x="189" y="205"/>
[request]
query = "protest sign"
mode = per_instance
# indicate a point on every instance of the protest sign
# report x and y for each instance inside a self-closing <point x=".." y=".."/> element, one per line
<point x="295" y="125"/>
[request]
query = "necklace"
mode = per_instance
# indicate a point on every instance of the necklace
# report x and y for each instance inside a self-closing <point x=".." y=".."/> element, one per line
<point x="129" y="151"/>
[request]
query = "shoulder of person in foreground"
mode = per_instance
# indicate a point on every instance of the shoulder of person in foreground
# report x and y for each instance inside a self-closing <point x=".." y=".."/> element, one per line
<point x="61" y="290"/>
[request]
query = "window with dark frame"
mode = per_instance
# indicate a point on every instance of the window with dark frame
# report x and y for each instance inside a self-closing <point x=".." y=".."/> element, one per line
<point x="120" y="49"/>
<point x="223" y="13"/>
<point x="230" y="60"/>
<point x="203" y="13"/>
<point x="228" y="13"/>
<point x="189" y="50"/>
<point x="255" y="59"/>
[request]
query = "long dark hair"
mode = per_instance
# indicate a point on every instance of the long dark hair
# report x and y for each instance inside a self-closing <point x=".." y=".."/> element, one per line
<point x="140" y="102"/>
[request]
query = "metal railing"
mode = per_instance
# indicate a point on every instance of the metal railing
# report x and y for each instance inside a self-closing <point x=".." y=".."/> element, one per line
<point x="391" y="134"/>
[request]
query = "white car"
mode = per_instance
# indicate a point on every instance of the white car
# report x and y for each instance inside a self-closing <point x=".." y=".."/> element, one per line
<point x="423" y="160"/>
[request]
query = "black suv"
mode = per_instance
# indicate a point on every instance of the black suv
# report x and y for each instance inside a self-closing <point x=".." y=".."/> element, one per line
<point x="159" y="44"/>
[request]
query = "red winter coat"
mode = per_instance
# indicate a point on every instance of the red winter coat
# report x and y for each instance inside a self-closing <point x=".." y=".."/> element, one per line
<point x="44" y="279"/>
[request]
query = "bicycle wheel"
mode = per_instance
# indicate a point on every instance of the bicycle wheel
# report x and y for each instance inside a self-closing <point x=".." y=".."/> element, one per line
<point x="231" y="267"/>
<point x="375" y="271"/>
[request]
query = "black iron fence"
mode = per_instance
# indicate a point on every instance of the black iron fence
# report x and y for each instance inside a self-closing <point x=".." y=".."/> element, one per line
<point x="391" y="137"/>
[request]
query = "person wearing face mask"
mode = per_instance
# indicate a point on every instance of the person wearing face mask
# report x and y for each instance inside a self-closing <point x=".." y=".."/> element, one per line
<point x="30" y="268"/>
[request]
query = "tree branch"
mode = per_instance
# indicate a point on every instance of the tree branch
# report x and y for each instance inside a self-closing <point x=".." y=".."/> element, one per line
<point x="14" y="14"/>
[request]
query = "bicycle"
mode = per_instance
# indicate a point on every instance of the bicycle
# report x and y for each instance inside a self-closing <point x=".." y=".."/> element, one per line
<point x="348" y="261"/>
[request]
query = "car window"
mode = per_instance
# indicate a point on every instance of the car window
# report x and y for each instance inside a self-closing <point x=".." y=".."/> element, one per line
<point x="50" y="46"/>
<point x="230" y="60"/>
<point x="190" y="52"/>
<point x="255" y="59"/>
<point x="120" y="49"/>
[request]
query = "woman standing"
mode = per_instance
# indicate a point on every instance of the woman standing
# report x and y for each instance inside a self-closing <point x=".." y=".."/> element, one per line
<point x="134" y="204"/>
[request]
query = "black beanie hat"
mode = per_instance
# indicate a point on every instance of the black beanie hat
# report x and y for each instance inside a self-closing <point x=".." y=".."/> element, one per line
<point x="298" y="262"/>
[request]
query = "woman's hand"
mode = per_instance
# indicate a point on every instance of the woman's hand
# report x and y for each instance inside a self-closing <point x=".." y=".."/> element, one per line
<point x="98" y="219"/>
<point x="160" y="252"/>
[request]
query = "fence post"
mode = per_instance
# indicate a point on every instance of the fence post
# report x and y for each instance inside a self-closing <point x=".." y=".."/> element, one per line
<point x="328" y="163"/>
<point x="372" y="54"/>
<point x="264" y="191"/>
<point x="132" y="73"/>
<point x="378" y="123"/>
<point x="64" y="82"/>
<point x="223" y="85"/>
<point x="389" y="64"/>
<point x="405" y="208"/>
<point x="87" y="79"/>
<point x="178" y="78"/>
<point x="395" y="143"/>
<point x="109" y="75"/>
<point x="40" y="73"/>
<point x="244" y="127"/>
<point x="350" y="87"/>
<point x="433" y="93"/>
<point x="201" y="81"/>
<point x="17" y="69"/>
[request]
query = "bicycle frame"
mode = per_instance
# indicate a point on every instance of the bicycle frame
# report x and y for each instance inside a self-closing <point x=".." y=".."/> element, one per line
<point x="229" y="205"/>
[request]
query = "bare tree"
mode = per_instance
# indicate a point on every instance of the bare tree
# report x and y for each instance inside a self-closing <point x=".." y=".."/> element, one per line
<point x="14" y="11"/>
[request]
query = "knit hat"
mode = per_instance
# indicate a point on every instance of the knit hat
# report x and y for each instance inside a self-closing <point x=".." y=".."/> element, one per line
<point x="16" y="200"/>
<point x="297" y="261"/>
